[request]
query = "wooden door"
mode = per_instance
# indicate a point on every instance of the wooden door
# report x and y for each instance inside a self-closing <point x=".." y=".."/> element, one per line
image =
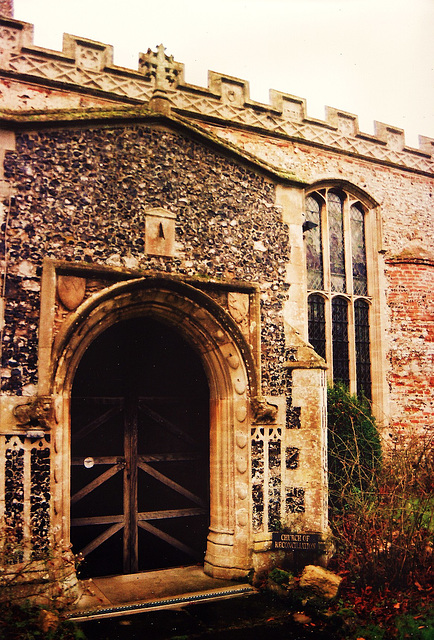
<point x="140" y="461"/>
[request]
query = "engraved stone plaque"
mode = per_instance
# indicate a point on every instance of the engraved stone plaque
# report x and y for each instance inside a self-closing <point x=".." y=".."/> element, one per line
<point x="296" y="541"/>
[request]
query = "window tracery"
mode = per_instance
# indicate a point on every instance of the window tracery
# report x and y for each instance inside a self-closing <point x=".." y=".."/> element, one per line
<point x="339" y="304"/>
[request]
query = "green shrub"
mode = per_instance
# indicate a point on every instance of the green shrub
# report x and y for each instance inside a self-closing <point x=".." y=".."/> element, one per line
<point x="27" y="621"/>
<point x="417" y="628"/>
<point x="370" y="632"/>
<point x="354" y="447"/>
<point x="381" y="507"/>
<point x="279" y="576"/>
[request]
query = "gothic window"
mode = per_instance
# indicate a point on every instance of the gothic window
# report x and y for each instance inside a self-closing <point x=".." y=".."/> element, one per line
<point x="337" y="275"/>
<point x="316" y="321"/>
<point x="341" y="369"/>
<point x="336" y="238"/>
<point x="360" y="282"/>
<point x="363" y="359"/>
<point x="313" y="244"/>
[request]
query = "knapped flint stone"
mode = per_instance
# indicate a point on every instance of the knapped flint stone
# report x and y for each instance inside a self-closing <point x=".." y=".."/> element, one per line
<point x="81" y="194"/>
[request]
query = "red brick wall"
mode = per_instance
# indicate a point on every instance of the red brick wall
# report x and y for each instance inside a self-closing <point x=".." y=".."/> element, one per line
<point x="411" y="377"/>
<point x="405" y="236"/>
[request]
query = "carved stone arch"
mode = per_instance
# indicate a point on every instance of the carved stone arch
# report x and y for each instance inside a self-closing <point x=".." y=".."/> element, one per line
<point x="230" y="370"/>
<point x="345" y="185"/>
<point x="209" y="325"/>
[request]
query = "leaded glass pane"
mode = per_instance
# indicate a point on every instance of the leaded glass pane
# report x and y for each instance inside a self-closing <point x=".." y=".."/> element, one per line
<point x="313" y="245"/>
<point x="336" y="234"/>
<point x="363" y="358"/>
<point x="316" y="324"/>
<point x="341" y="369"/>
<point x="360" y="283"/>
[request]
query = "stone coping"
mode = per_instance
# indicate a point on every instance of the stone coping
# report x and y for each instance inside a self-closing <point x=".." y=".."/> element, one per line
<point x="86" y="67"/>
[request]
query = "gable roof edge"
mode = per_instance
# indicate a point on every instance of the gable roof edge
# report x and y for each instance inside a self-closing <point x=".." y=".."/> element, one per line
<point x="22" y="120"/>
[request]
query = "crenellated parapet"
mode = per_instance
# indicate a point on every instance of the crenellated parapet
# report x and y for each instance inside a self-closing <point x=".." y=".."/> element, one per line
<point x="84" y="69"/>
<point x="83" y="66"/>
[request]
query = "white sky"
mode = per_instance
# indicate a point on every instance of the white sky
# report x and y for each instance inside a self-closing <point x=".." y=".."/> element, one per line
<point x="373" y="58"/>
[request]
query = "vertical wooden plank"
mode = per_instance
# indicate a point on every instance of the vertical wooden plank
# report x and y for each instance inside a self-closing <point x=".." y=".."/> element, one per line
<point x="130" y="487"/>
<point x="127" y="475"/>
<point x="133" y="489"/>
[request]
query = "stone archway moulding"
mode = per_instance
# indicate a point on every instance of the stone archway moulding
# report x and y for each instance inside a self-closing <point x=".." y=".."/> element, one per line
<point x="232" y="379"/>
<point x="346" y="185"/>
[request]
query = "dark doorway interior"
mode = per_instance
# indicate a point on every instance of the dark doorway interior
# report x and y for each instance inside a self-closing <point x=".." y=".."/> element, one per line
<point x="140" y="451"/>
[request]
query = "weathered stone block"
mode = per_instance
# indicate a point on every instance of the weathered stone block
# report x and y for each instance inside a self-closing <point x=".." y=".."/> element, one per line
<point x="323" y="582"/>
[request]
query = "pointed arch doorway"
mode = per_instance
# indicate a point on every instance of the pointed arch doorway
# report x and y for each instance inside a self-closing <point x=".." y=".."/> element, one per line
<point x="139" y="451"/>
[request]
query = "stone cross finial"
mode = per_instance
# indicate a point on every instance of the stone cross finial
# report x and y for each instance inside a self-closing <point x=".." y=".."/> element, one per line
<point x="162" y="68"/>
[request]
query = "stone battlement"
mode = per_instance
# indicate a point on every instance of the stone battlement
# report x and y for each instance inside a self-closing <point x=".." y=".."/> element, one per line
<point x="85" y="67"/>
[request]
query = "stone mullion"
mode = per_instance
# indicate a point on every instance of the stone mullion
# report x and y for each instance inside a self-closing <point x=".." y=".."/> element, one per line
<point x="325" y="239"/>
<point x="273" y="440"/>
<point x="266" y="482"/>
<point x="350" y="291"/>
<point x="347" y="245"/>
<point x="329" y="337"/>
<point x="352" y="347"/>
<point x="258" y="488"/>
<point x="327" y="286"/>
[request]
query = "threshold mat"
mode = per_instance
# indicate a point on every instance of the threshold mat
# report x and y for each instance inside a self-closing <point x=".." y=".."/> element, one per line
<point x="163" y="603"/>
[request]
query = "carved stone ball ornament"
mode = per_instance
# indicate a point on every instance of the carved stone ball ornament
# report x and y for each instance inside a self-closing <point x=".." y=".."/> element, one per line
<point x="262" y="410"/>
<point x="36" y="413"/>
